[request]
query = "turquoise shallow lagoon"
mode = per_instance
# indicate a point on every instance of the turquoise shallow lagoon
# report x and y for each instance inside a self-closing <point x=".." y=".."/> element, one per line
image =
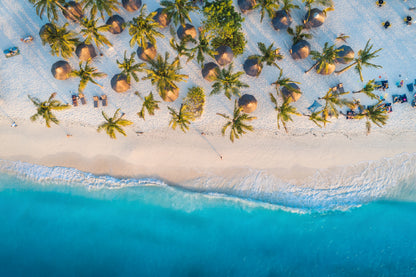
<point x="65" y="230"/>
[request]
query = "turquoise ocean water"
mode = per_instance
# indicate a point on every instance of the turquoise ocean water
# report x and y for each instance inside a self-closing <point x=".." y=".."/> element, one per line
<point x="50" y="228"/>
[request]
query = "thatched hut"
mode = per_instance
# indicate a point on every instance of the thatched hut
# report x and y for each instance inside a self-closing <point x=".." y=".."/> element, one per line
<point x="252" y="67"/>
<point x="292" y="94"/>
<point x="346" y="54"/>
<point x="314" y="18"/>
<point x="170" y="94"/>
<point x="116" y="24"/>
<point x="75" y="11"/>
<point x="210" y="71"/>
<point x="281" y="20"/>
<point x="224" y="55"/>
<point x="188" y="30"/>
<point x="246" y="5"/>
<point x="131" y="5"/>
<point x="162" y="18"/>
<point x="42" y="31"/>
<point x="85" y="52"/>
<point x="247" y="103"/>
<point x="300" y="50"/>
<point x="60" y="70"/>
<point x="119" y="83"/>
<point x="147" y="54"/>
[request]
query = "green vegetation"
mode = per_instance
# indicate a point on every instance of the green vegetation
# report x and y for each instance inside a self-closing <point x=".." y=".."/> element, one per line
<point x="228" y="82"/>
<point x="129" y="67"/>
<point x="202" y="47"/>
<point x="332" y="101"/>
<point x="284" y="82"/>
<point x="368" y="90"/>
<point x="114" y="124"/>
<point x="297" y="34"/>
<point x="45" y="108"/>
<point x="269" y="55"/>
<point x="50" y="7"/>
<point x="194" y="102"/>
<point x="62" y="41"/>
<point x="267" y="6"/>
<point x="108" y="6"/>
<point x="86" y="74"/>
<point x="284" y="112"/>
<point x="91" y="32"/>
<point x="178" y="10"/>
<point x="325" y="61"/>
<point x="374" y="114"/>
<point x="182" y="118"/>
<point x="149" y="104"/>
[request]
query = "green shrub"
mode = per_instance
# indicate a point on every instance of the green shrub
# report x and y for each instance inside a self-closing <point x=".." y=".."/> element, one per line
<point x="235" y="41"/>
<point x="194" y="102"/>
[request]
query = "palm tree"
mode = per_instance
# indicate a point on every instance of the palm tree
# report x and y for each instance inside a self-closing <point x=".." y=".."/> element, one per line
<point x="325" y="3"/>
<point x="325" y="61"/>
<point x="237" y="123"/>
<point x="108" y="6"/>
<point x="180" y="47"/>
<point x="45" y="108"/>
<point x="178" y="10"/>
<point x="269" y="6"/>
<point x="113" y="124"/>
<point x="332" y="101"/>
<point x="182" y="118"/>
<point x="284" y="82"/>
<point x="91" y="32"/>
<point x="317" y="118"/>
<point x="228" y="82"/>
<point x="368" y="90"/>
<point x="50" y="7"/>
<point x="62" y="41"/>
<point x="164" y="74"/>
<point x="268" y="55"/>
<point x="342" y="37"/>
<point x="284" y="112"/>
<point x="203" y="46"/>
<point x="298" y="34"/>
<point x="86" y="74"/>
<point x="375" y="114"/>
<point x="142" y="29"/>
<point x="362" y="59"/>
<point x="149" y="104"/>
<point x="129" y="67"/>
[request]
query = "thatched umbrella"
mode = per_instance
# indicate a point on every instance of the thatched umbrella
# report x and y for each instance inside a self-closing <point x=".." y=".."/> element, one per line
<point x="224" y="55"/>
<point x="171" y="94"/>
<point x="247" y="103"/>
<point x="131" y="5"/>
<point x="188" y="30"/>
<point x="246" y="5"/>
<point x="281" y="20"/>
<point x="75" y="11"/>
<point x="300" y="50"/>
<point x="119" y="83"/>
<point x="314" y="18"/>
<point x="328" y="69"/>
<point x="210" y="71"/>
<point x="293" y="94"/>
<point x="43" y="29"/>
<point x="162" y="18"/>
<point x="85" y="52"/>
<point x="116" y="24"/>
<point x="346" y="54"/>
<point x="60" y="70"/>
<point x="147" y="54"/>
<point x="252" y="67"/>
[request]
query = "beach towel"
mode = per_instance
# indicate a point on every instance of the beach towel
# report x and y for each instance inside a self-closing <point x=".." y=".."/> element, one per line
<point x="315" y="105"/>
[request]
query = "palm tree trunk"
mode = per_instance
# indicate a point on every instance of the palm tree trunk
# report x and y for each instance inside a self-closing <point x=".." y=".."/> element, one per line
<point x="358" y="91"/>
<point x="66" y="10"/>
<point x="345" y="68"/>
<point x="312" y="67"/>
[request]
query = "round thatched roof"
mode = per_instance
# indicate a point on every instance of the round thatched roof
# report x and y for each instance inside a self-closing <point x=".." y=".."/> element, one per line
<point x="281" y="20"/>
<point x="116" y="24"/>
<point x="43" y="30"/>
<point x="252" y="67"/>
<point x="188" y="30"/>
<point x="315" y="19"/>
<point x="210" y="71"/>
<point x="85" y="52"/>
<point x="119" y="83"/>
<point x="246" y="5"/>
<point x="162" y="18"/>
<point x="75" y="11"/>
<point x="224" y="55"/>
<point x="346" y="54"/>
<point x="60" y="70"/>
<point x="147" y="54"/>
<point x="300" y="50"/>
<point x="131" y="5"/>
<point x="247" y="103"/>
<point x="294" y="94"/>
<point x="171" y="94"/>
<point x="326" y="70"/>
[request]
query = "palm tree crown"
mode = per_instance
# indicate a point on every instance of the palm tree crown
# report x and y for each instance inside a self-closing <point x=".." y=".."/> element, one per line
<point x="375" y="114"/>
<point x="178" y="10"/>
<point x="101" y="6"/>
<point x="130" y="68"/>
<point x="45" y="108"/>
<point x="228" y="82"/>
<point x="91" y="32"/>
<point x="149" y="104"/>
<point x="324" y="59"/>
<point x="332" y="101"/>
<point x="284" y="112"/>
<point x="203" y="47"/>
<point x="113" y="124"/>
<point x="368" y="90"/>
<point x="284" y="82"/>
<point x="269" y="55"/>
<point x="269" y="6"/>
<point x="298" y="34"/>
<point x="288" y="6"/>
<point x="86" y="74"/>
<point x="50" y="7"/>
<point x="62" y="41"/>
<point x="182" y="118"/>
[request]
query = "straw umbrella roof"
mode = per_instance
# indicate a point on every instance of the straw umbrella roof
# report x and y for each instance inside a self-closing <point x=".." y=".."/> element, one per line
<point x="116" y="24"/>
<point x="281" y="20"/>
<point x="300" y="50"/>
<point x="75" y="11"/>
<point x="162" y="18"/>
<point x="147" y="54"/>
<point x="247" y="103"/>
<point x="224" y="55"/>
<point x="85" y="52"/>
<point x="346" y="54"/>
<point x="188" y="30"/>
<point x="252" y="67"/>
<point x="60" y="70"/>
<point x="293" y="94"/>
<point x="119" y="83"/>
<point x="43" y="29"/>
<point x="131" y="5"/>
<point x="246" y="5"/>
<point x="210" y="71"/>
<point x="315" y="19"/>
<point x="328" y="69"/>
<point x="171" y="94"/>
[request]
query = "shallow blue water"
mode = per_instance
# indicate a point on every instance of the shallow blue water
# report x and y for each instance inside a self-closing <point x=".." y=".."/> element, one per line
<point x="159" y="231"/>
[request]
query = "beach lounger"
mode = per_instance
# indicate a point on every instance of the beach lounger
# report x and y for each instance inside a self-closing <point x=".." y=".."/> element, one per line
<point x="350" y="114"/>
<point x="81" y="97"/>
<point x="95" y="98"/>
<point x="340" y="88"/>
<point x="410" y="87"/>
<point x="74" y="100"/>
<point x="104" y="99"/>
<point x="399" y="98"/>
